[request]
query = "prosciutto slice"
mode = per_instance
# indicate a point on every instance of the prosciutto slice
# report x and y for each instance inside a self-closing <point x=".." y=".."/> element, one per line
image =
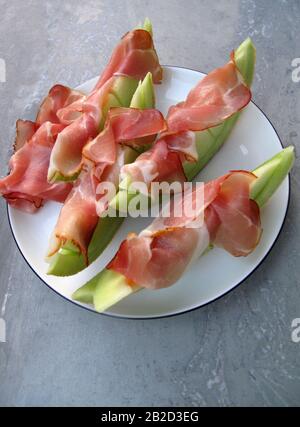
<point x="66" y="157"/>
<point x="238" y="228"/>
<point x="162" y="163"/>
<point x="78" y="217"/>
<point x="70" y="113"/>
<point x="127" y="126"/>
<point x="165" y="249"/>
<point x="25" y="129"/>
<point x="58" y="98"/>
<point x="103" y="158"/>
<point x="26" y="186"/>
<point x="215" y="98"/>
<point x="134" y="56"/>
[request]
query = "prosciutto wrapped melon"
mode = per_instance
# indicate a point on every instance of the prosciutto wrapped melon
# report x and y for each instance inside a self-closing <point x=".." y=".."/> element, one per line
<point x="80" y="235"/>
<point x="133" y="57"/>
<point x="230" y="213"/>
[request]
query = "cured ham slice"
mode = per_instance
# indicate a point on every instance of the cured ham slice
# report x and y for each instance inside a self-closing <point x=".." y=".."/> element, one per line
<point x="70" y="113"/>
<point x="124" y="125"/>
<point x="24" y="202"/>
<point x="58" y="98"/>
<point x="162" y="163"/>
<point x="134" y="56"/>
<point x="66" y="157"/>
<point x="25" y="129"/>
<point x="238" y="229"/>
<point x="215" y="98"/>
<point x="184" y="143"/>
<point x="166" y="248"/>
<point x="103" y="159"/>
<point x="78" y="217"/>
<point x="71" y="141"/>
<point x="26" y="186"/>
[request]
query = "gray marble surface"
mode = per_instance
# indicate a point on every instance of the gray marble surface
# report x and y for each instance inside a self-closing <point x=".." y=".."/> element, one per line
<point x="236" y="351"/>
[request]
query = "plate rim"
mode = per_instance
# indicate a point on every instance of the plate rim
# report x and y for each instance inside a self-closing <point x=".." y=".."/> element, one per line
<point x="189" y="310"/>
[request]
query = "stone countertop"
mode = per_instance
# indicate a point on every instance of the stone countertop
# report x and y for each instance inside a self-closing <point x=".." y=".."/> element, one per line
<point x="236" y="351"/>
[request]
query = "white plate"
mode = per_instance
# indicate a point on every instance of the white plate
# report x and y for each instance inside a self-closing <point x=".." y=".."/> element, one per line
<point x="252" y="141"/>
